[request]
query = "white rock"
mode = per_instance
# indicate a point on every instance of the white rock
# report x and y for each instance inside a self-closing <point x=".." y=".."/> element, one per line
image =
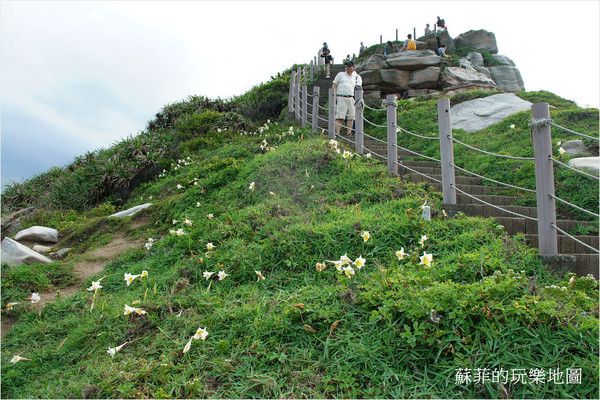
<point x="588" y="164"/>
<point x="38" y="234"/>
<point x="574" y="147"/>
<point x="129" y="212"/>
<point x="478" y="114"/>
<point x="41" y="249"/>
<point x="14" y="253"/>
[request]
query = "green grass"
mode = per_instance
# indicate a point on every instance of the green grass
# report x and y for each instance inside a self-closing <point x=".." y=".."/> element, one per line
<point x="300" y="332"/>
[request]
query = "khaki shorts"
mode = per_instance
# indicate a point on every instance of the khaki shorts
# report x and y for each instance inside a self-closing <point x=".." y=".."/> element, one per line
<point x="345" y="108"/>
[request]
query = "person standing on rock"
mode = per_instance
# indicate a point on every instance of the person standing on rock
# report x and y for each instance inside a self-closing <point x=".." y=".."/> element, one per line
<point x="328" y="61"/>
<point x="344" y="84"/>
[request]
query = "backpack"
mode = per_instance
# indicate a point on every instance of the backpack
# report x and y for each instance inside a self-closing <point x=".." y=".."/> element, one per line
<point x="411" y="45"/>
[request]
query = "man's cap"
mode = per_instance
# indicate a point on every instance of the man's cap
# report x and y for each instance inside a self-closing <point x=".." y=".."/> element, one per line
<point x="350" y="64"/>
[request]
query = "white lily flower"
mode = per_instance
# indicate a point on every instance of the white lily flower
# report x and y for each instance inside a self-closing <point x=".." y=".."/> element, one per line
<point x="365" y="235"/>
<point x="345" y="259"/>
<point x="349" y="271"/>
<point x="561" y="150"/>
<point x="95" y="286"/>
<point x="114" y="350"/>
<point x="34" y="297"/>
<point x="260" y="276"/>
<point x="207" y="274"/>
<point x="16" y="359"/>
<point x="222" y="275"/>
<point x="210" y="246"/>
<point x="201" y="333"/>
<point x="423" y="239"/>
<point x="129" y="278"/>
<point x="359" y="262"/>
<point x="426" y="259"/>
<point x="188" y="222"/>
<point x="9" y="306"/>
<point x="400" y="254"/>
<point x="129" y="310"/>
<point x="321" y="267"/>
<point x="210" y="216"/>
<point x="251" y="187"/>
<point x="144" y="273"/>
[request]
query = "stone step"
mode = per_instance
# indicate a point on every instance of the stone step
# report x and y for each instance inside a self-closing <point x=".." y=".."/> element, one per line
<point x="566" y="245"/>
<point x="514" y="225"/>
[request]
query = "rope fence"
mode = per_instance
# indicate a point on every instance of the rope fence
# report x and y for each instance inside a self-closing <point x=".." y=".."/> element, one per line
<point x="300" y="101"/>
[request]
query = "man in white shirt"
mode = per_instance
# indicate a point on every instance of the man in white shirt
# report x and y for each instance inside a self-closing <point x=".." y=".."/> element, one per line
<point x="344" y="84"/>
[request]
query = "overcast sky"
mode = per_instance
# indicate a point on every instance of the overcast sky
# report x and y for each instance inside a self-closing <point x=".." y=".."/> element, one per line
<point x="77" y="76"/>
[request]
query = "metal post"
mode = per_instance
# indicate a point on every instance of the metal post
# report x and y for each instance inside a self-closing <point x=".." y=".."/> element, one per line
<point x="358" y="131"/>
<point x="331" y="125"/>
<point x="304" y="105"/>
<point x="446" y="152"/>
<point x="392" y="135"/>
<point x="544" y="179"/>
<point x="380" y="39"/>
<point x="312" y="71"/>
<point x="396" y="35"/>
<point x="315" y="109"/>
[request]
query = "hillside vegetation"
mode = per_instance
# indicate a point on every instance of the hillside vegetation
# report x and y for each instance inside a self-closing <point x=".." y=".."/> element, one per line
<point x="279" y="264"/>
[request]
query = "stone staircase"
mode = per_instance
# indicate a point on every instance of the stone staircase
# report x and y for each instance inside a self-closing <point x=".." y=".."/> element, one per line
<point x="583" y="261"/>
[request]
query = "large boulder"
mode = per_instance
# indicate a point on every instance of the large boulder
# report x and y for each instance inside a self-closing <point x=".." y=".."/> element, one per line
<point x="14" y="253"/>
<point x="444" y="37"/>
<point x="371" y="77"/>
<point x="479" y="40"/>
<point x="508" y="78"/>
<point x="425" y="78"/>
<point x="394" y="79"/>
<point x="588" y="164"/>
<point x="38" y="234"/>
<point x="375" y="62"/>
<point x="503" y="59"/>
<point x="413" y="60"/>
<point x="457" y="78"/>
<point x="480" y="113"/>
<point x="574" y="147"/>
<point x="475" y="58"/>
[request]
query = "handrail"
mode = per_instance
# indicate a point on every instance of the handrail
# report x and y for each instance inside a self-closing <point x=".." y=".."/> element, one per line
<point x="540" y="126"/>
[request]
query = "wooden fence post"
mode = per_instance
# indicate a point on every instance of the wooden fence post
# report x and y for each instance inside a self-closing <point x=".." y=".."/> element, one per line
<point x="446" y="152"/>
<point x="544" y="179"/>
<point x="297" y="94"/>
<point x="392" y="134"/>
<point x="304" y="105"/>
<point x="315" y="109"/>
<point x="291" y="93"/>
<point x="359" y="127"/>
<point x="331" y="125"/>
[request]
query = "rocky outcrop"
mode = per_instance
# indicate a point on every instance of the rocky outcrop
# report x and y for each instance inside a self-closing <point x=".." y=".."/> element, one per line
<point x="480" y="113"/>
<point x="12" y="223"/>
<point x="508" y="78"/>
<point x="479" y="40"/>
<point x="422" y="72"/>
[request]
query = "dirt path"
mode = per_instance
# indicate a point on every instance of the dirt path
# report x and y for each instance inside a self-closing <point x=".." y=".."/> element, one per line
<point x="96" y="260"/>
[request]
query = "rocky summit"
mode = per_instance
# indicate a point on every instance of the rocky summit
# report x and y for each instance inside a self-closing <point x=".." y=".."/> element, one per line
<point x="423" y="72"/>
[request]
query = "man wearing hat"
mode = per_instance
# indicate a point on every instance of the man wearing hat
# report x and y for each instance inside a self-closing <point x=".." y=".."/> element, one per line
<point x="343" y="85"/>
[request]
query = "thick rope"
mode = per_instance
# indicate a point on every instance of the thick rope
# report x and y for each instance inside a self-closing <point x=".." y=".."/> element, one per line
<point x="575" y="239"/>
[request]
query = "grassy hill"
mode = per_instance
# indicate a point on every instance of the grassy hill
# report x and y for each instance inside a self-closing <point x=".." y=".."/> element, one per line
<point x="408" y="310"/>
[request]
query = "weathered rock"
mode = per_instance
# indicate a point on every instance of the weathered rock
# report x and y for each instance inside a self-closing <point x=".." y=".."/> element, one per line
<point x="394" y="79"/>
<point x="507" y="78"/>
<point x="13" y="222"/>
<point x="130" y="211"/>
<point x="574" y="147"/>
<point x="485" y="71"/>
<point x="41" y="249"/>
<point x="461" y="78"/>
<point x="373" y="94"/>
<point x="413" y="60"/>
<point x="588" y="164"/>
<point x="14" y="253"/>
<point x="63" y="252"/>
<point x="475" y="58"/>
<point x="425" y="78"/>
<point x="503" y="59"/>
<point x="371" y="77"/>
<point x="478" y="114"/>
<point x="376" y="61"/>
<point x="432" y="42"/>
<point x="479" y="40"/>
<point x="417" y="92"/>
<point x="38" y="234"/>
